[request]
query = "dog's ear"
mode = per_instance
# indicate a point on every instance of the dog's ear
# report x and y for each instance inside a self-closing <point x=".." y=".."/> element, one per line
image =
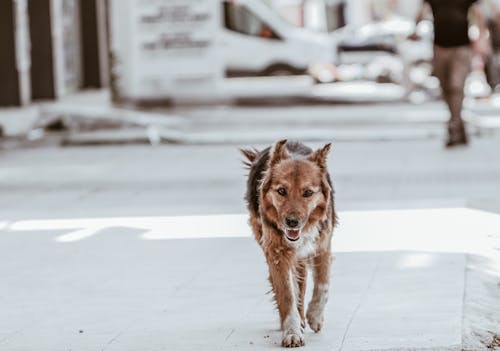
<point x="278" y="153"/>
<point x="319" y="156"/>
<point x="250" y="155"/>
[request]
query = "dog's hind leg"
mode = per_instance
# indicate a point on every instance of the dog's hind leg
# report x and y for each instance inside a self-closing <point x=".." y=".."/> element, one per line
<point x="301" y="276"/>
<point x="321" y="274"/>
<point x="286" y="294"/>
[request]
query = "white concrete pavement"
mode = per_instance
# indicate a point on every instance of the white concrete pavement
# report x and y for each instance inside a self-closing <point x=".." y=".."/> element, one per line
<point x="88" y="243"/>
<point x="142" y="180"/>
<point x="199" y="282"/>
<point x="253" y="122"/>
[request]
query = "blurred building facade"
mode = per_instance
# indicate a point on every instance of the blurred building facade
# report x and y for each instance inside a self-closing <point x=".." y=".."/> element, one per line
<point x="14" y="57"/>
<point x="51" y="48"/>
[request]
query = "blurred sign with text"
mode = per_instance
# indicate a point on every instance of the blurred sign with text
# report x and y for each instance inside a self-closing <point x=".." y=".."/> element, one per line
<point x="164" y="49"/>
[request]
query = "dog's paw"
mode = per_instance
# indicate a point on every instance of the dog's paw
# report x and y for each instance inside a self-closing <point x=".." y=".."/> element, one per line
<point x="315" y="319"/>
<point x="292" y="339"/>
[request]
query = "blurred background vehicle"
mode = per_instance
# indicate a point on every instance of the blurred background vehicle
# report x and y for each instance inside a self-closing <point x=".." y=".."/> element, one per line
<point x="257" y="41"/>
<point x="385" y="52"/>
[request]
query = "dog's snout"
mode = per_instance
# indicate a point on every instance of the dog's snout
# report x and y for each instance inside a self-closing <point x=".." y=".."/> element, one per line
<point x="292" y="221"/>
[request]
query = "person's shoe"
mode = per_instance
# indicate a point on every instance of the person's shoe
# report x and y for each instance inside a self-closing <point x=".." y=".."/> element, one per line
<point x="457" y="137"/>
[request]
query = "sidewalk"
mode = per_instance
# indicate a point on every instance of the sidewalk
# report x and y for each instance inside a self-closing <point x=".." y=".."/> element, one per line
<point x="164" y="283"/>
<point x="90" y="118"/>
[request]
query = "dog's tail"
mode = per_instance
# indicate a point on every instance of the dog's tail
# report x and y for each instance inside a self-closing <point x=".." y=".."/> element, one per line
<point x="251" y="156"/>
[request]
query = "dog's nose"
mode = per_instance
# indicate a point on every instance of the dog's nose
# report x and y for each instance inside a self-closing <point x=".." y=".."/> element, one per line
<point x="292" y="221"/>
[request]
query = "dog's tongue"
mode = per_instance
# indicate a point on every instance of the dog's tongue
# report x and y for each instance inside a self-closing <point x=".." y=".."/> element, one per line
<point x="292" y="234"/>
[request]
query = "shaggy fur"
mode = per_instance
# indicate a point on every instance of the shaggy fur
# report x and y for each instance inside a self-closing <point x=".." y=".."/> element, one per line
<point x="292" y="215"/>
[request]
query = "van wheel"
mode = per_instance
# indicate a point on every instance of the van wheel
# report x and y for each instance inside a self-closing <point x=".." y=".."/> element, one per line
<point x="282" y="70"/>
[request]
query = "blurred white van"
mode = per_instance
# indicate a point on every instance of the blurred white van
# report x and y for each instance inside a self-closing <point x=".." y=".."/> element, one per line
<point x="257" y="41"/>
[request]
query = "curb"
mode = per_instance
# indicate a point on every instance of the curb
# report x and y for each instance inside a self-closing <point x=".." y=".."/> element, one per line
<point x="154" y="136"/>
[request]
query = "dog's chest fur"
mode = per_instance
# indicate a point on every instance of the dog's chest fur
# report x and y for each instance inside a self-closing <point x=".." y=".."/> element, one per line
<point x="308" y="244"/>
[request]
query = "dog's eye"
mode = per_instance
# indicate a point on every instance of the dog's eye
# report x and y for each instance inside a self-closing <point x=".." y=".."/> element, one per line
<point x="308" y="193"/>
<point x="282" y="191"/>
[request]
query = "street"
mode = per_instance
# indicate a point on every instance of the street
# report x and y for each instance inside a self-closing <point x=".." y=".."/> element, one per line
<point x="126" y="247"/>
<point x="207" y="179"/>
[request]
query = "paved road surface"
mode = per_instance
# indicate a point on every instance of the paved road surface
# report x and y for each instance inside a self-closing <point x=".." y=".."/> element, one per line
<point x="126" y="287"/>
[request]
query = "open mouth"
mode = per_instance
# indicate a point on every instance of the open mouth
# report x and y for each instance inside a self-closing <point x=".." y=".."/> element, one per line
<point x="292" y="234"/>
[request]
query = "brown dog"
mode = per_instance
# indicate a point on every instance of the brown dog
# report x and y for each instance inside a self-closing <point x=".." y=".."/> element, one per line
<point x="292" y="215"/>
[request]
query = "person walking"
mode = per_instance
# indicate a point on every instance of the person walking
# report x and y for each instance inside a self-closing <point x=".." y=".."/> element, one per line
<point x="452" y="56"/>
<point x="493" y="62"/>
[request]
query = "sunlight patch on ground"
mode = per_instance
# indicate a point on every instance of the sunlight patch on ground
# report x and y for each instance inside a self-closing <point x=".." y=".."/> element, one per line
<point x="434" y="230"/>
<point x="172" y="227"/>
<point x="437" y="230"/>
<point x="79" y="234"/>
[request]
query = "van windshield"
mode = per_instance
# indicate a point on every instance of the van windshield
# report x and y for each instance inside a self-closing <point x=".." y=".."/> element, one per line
<point x="239" y="18"/>
<point x="278" y="14"/>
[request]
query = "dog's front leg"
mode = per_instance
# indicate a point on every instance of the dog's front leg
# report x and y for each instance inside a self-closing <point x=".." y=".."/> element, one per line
<point x="321" y="274"/>
<point x="301" y="277"/>
<point x="286" y="296"/>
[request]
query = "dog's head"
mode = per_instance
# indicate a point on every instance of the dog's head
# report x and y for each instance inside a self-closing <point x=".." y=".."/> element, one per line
<point x="295" y="191"/>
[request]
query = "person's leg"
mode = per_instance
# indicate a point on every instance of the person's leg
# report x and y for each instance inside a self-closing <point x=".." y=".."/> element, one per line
<point x="459" y="69"/>
<point x="442" y="70"/>
<point x="455" y="100"/>
<point x="440" y="67"/>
